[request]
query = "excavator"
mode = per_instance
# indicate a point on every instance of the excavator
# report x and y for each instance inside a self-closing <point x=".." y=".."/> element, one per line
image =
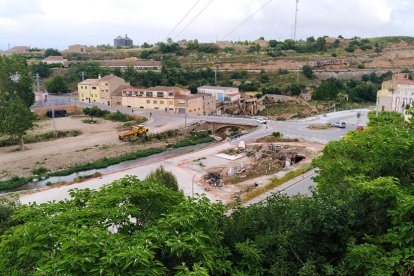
<point x="133" y="133"/>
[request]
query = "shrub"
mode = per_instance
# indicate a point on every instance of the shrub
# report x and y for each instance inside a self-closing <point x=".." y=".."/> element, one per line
<point x="39" y="171"/>
<point x="13" y="182"/>
<point x="277" y="134"/>
<point x="161" y="176"/>
<point x="118" y="117"/>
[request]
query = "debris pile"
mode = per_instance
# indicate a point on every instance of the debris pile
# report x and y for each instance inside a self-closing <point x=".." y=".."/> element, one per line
<point x="213" y="179"/>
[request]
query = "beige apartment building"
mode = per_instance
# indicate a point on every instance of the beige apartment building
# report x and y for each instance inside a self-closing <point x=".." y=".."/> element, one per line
<point x="168" y="99"/>
<point x="99" y="90"/>
<point x="396" y="94"/>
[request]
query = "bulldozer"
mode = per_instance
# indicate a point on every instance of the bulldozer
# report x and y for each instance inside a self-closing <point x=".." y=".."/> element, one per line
<point x="133" y="133"/>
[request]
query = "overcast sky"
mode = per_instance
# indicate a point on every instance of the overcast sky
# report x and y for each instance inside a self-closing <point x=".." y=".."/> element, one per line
<point x="59" y="23"/>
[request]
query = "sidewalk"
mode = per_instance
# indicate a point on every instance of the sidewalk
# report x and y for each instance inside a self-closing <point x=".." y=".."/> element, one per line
<point x="283" y="188"/>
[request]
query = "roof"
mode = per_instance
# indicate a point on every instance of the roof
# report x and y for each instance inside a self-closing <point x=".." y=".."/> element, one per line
<point x="109" y="77"/>
<point x="188" y="97"/>
<point x="131" y="63"/>
<point x="89" y="82"/>
<point x="118" y="91"/>
<point x="217" y="87"/>
<point x="166" y="88"/>
<point x="54" y="58"/>
<point x="405" y="81"/>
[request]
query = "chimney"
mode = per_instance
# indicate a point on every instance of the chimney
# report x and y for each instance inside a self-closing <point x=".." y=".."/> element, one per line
<point x="99" y="76"/>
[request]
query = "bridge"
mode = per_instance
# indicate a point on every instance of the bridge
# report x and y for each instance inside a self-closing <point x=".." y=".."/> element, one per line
<point x="215" y="127"/>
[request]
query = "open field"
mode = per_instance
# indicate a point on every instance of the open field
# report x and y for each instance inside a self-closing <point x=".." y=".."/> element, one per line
<point x="96" y="141"/>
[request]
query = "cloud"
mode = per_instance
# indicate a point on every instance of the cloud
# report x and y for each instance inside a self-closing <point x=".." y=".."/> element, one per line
<point x="58" y="23"/>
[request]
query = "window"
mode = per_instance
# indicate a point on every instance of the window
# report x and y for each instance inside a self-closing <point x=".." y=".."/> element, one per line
<point x="170" y="93"/>
<point x="81" y="87"/>
<point x="160" y="94"/>
<point x="161" y="102"/>
<point x="154" y="102"/>
<point x="93" y="87"/>
<point x="148" y="101"/>
<point x="149" y="94"/>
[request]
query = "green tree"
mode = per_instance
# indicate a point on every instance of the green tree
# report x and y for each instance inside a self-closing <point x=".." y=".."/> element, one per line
<point x="129" y="73"/>
<point x="51" y="52"/>
<point x="160" y="175"/>
<point x="57" y="84"/>
<point x="295" y="89"/>
<point x="158" y="232"/>
<point x="328" y="89"/>
<point x="42" y="69"/>
<point x="307" y="71"/>
<point x="16" y="119"/>
<point x="15" y="80"/>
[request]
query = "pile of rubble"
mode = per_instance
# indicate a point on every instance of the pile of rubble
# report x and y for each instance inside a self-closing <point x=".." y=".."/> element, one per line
<point x="214" y="179"/>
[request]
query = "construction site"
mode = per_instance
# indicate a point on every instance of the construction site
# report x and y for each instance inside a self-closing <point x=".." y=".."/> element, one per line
<point x="234" y="173"/>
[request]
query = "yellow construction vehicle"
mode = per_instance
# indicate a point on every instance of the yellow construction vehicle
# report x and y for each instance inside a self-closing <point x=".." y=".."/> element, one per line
<point x="133" y="133"/>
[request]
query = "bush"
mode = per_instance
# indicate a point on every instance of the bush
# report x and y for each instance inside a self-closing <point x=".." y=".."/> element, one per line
<point x="160" y="175"/>
<point x="283" y="71"/>
<point x="118" y="117"/>
<point x="195" y="139"/>
<point x="39" y="171"/>
<point x="13" y="182"/>
<point x="277" y="134"/>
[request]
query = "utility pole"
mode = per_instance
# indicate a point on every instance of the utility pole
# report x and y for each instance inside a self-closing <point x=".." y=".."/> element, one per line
<point x="37" y="82"/>
<point x="83" y="75"/>
<point x="215" y="75"/>
<point x="296" y="20"/>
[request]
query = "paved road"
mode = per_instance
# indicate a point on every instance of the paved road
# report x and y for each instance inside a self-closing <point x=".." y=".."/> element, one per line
<point x="296" y="128"/>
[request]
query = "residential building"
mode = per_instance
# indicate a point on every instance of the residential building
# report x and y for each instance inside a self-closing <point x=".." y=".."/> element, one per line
<point x="138" y="65"/>
<point x="221" y="93"/>
<point x="124" y="42"/>
<point x="56" y="60"/>
<point x="19" y="50"/>
<point x="116" y="96"/>
<point x="99" y="90"/>
<point x="168" y="99"/>
<point x="78" y="48"/>
<point x="88" y="91"/>
<point x="396" y="93"/>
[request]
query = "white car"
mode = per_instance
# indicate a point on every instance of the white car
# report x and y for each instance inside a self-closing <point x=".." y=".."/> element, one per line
<point x="261" y="121"/>
<point x="340" y="124"/>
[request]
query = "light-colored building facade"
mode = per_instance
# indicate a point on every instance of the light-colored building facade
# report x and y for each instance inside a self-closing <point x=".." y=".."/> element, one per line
<point x="221" y="93"/>
<point x="56" y="60"/>
<point x="168" y="99"/>
<point x="99" y="90"/>
<point x="395" y="94"/>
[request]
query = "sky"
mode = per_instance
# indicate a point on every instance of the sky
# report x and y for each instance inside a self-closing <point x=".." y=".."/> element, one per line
<point x="59" y="23"/>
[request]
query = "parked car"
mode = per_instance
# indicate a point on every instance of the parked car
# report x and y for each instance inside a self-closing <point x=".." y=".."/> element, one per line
<point x="340" y="124"/>
<point x="261" y="121"/>
<point x="360" y="127"/>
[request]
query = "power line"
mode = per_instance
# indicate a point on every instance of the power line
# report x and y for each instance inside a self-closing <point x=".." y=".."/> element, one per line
<point x="182" y="19"/>
<point x="247" y="19"/>
<point x="194" y="18"/>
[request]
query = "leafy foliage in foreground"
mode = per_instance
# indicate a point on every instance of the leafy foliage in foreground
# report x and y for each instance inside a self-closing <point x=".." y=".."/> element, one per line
<point x="130" y="226"/>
